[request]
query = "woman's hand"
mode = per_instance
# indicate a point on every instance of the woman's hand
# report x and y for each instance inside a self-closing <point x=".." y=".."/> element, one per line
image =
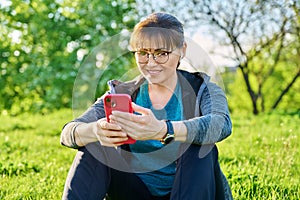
<point x="140" y="127"/>
<point x="108" y="134"/>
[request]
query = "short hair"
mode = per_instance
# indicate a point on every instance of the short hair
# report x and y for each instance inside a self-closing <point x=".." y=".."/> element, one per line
<point x="162" y="28"/>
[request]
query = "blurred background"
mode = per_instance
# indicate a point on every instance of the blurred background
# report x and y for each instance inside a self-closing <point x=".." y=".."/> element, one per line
<point x="255" y="44"/>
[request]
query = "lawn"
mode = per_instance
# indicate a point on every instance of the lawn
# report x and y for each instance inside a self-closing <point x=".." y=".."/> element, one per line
<point x="261" y="157"/>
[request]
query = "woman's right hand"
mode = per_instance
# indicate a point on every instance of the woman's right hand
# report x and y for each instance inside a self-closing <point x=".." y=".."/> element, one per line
<point x="108" y="134"/>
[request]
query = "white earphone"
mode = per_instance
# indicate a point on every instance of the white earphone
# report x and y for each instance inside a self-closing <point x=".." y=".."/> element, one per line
<point x="181" y="56"/>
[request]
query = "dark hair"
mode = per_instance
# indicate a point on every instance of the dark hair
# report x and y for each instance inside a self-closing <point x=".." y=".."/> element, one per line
<point x="162" y="28"/>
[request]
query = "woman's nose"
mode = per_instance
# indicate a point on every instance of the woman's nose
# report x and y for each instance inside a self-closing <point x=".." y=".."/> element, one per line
<point x="151" y="60"/>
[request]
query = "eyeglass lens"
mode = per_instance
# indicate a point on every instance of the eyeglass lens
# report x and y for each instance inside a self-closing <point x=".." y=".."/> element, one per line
<point x="160" y="57"/>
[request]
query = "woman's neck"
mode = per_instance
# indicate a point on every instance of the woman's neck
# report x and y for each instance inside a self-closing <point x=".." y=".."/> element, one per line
<point x="161" y="94"/>
<point x="166" y="86"/>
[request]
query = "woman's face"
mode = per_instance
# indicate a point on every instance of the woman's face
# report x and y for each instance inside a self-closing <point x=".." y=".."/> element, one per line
<point x="157" y="64"/>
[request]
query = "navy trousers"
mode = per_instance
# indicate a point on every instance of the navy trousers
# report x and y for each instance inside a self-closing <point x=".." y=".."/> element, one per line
<point x="90" y="179"/>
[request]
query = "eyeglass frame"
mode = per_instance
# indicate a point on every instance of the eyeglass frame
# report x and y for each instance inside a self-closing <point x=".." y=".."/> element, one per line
<point x="153" y="55"/>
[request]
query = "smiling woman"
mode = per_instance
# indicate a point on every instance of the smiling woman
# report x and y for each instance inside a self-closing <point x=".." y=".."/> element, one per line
<point x="178" y="117"/>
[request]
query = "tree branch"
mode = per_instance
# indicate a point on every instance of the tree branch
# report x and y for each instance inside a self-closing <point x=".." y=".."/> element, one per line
<point x="285" y="91"/>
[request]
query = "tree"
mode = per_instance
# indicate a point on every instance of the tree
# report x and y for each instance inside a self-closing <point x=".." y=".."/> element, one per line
<point x="42" y="44"/>
<point x="260" y="36"/>
<point x="293" y="54"/>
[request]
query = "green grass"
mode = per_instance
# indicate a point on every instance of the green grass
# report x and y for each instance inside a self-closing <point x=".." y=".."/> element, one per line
<point x="33" y="164"/>
<point x="260" y="158"/>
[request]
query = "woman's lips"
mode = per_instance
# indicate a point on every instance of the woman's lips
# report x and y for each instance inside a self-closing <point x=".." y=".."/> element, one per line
<point x="154" y="72"/>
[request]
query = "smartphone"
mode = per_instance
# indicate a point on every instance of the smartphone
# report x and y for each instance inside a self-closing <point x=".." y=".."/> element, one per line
<point x="120" y="102"/>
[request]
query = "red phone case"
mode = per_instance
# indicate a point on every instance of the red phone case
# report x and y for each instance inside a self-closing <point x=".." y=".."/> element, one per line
<point x="120" y="102"/>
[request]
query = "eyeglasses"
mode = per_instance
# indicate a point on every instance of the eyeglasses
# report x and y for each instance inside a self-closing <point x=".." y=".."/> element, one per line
<point x="159" y="56"/>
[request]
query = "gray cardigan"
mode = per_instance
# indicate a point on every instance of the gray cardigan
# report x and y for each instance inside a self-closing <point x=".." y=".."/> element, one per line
<point x="205" y="109"/>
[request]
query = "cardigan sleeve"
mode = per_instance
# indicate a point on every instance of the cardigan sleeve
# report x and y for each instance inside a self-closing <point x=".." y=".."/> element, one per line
<point x="93" y="113"/>
<point x="215" y="124"/>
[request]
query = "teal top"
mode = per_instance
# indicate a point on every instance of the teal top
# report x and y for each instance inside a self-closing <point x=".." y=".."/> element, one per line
<point x="158" y="169"/>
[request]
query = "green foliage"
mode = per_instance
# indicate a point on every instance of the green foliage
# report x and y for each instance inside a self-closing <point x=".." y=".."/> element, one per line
<point x="239" y="101"/>
<point x="257" y="36"/>
<point x="42" y="44"/>
<point x="260" y="159"/>
<point x="272" y="69"/>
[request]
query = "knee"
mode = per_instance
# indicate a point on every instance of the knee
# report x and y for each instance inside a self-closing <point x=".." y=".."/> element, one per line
<point x="87" y="177"/>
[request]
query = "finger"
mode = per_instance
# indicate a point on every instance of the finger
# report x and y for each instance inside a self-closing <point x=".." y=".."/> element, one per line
<point x="103" y="124"/>
<point x="115" y="140"/>
<point x="110" y="133"/>
<point x="140" y="109"/>
<point x="132" y="129"/>
<point x="112" y="142"/>
<point x="136" y="108"/>
<point x="118" y="116"/>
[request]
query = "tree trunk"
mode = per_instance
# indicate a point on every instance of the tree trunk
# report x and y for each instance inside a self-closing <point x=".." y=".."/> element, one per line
<point x="253" y="96"/>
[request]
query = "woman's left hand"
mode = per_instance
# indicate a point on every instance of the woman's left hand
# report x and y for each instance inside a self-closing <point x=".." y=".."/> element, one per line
<point x="140" y="127"/>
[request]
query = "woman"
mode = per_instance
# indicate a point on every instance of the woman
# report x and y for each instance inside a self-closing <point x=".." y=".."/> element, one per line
<point x="178" y="118"/>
